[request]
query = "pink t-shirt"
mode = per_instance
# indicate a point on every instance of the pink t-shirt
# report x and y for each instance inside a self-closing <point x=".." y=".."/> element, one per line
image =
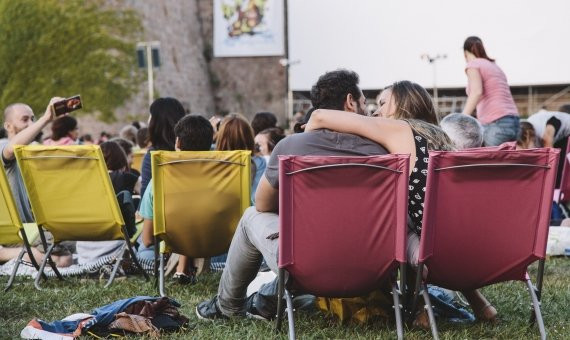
<point x="496" y="101"/>
<point x="62" y="141"/>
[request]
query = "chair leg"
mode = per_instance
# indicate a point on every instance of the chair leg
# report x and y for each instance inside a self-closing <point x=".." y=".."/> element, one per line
<point x="280" y="293"/>
<point x="29" y="249"/>
<point x="539" y="277"/>
<point x="156" y="255"/>
<point x="161" y="276"/>
<point x="397" y="312"/>
<point x="118" y="261"/>
<point x="536" y="307"/>
<point x="290" y="318"/>
<point x="54" y="268"/>
<point x="15" y="270"/>
<point x="403" y="289"/>
<point x="50" y="261"/>
<point x="42" y="267"/>
<point x="132" y="253"/>
<point x="416" y="295"/>
<point x="429" y="309"/>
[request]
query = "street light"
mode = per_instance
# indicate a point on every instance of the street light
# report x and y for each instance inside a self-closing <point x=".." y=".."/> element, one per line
<point x="148" y="56"/>
<point x="432" y="61"/>
<point x="287" y="64"/>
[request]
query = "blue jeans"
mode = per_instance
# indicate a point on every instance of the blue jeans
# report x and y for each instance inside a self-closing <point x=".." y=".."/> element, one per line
<point x="145" y="253"/>
<point x="504" y="129"/>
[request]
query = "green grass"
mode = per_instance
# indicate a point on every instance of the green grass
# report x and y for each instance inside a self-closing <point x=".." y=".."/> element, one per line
<point x="60" y="299"/>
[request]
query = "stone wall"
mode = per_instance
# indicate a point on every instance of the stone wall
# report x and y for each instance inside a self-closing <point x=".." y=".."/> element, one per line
<point x="204" y="84"/>
<point x="247" y="84"/>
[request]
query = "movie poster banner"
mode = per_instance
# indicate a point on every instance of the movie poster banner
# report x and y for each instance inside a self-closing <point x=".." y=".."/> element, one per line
<point x="248" y="28"/>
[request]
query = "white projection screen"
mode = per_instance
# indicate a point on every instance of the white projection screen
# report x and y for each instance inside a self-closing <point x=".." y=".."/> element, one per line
<point x="383" y="40"/>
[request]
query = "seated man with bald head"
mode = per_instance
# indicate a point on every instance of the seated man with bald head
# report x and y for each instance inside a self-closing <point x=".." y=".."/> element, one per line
<point x="21" y="129"/>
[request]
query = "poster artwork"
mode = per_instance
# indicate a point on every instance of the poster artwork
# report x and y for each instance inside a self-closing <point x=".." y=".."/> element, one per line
<point x="248" y="28"/>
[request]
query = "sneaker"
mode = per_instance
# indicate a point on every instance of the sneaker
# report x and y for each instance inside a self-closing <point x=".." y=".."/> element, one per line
<point x="253" y="313"/>
<point x="184" y="279"/>
<point x="208" y="310"/>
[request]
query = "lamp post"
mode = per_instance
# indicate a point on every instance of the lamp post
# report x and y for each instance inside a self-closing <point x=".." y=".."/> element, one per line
<point x="287" y="64"/>
<point x="148" y="56"/>
<point x="432" y="60"/>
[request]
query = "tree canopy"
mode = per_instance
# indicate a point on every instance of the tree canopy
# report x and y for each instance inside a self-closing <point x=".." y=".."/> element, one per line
<point x="66" y="47"/>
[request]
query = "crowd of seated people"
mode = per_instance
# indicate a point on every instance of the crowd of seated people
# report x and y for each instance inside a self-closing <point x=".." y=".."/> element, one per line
<point x="406" y="122"/>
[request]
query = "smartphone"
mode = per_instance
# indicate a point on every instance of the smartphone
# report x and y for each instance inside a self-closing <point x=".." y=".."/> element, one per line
<point x="67" y="105"/>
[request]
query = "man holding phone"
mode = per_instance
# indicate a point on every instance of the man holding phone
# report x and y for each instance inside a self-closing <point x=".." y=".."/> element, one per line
<point x="21" y="129"/>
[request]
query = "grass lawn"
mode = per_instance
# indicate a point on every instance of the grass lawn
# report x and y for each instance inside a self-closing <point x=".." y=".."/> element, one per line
<point x="58" y="300"/>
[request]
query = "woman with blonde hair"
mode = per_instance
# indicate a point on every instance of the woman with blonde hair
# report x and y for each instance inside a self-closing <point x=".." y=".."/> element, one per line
<point x="404" y="123"/>
<point x="236" y="134"/>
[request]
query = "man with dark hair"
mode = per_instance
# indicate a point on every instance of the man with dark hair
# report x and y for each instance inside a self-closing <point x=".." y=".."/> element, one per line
<point x="193" y="133"/>
<point x="564" y="108"/>
<point x="255" y="238"/>
<point x="339" y="90"/>
<point x="262" y="121"/>
<point x="552" y="128"/>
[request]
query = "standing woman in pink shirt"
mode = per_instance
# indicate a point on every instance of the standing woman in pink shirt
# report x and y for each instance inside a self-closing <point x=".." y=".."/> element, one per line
<point x="489" y="93"/>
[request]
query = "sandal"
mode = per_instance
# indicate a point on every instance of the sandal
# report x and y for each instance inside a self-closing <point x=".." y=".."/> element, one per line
<point x="184" y="279"/>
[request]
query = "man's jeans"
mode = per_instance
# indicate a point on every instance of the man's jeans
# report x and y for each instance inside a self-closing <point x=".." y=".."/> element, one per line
<point x="249" y="246"/>
<point x="504" y="129"/>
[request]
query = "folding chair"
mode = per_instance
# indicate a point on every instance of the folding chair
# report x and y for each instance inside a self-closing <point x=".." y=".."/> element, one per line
<point x="485" y="220"/>
<point x="72" y="197"/>
<point x="13" y="231"/>
<point x="199" y="197"/>
<point x="342" y="227"/>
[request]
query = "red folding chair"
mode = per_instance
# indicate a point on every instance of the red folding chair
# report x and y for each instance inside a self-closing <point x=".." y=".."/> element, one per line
<point x="342" y="227"/>
<point x="486" y="220"/>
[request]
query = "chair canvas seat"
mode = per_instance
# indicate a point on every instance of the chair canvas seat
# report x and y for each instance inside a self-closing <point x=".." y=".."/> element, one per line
<point x="72" y="197"/>
<point x="486" y="216"/>
<point x="70" y="190"/>
<point x="342" y="224"/>
<point x="199" y="197"/>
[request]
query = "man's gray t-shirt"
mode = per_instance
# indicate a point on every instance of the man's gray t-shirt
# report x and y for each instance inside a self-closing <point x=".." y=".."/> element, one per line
<point x="320" y="143"/>
<point x="17" y="186"/>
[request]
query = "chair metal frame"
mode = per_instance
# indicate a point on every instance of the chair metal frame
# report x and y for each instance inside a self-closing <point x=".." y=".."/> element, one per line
<point x="47" y="257"/>
<point x="284" y="296"/>
<point x="18" y="228"/>
<point x="534" y="291"/>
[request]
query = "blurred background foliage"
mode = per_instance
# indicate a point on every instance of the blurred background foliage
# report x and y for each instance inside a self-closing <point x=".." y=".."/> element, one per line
<point x="67" y="47"/>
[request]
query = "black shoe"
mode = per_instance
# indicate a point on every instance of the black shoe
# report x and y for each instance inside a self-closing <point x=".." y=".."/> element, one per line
<point x="253" y="313"/>
<point x="208" y="310"/>
<point x="184" y="279"/>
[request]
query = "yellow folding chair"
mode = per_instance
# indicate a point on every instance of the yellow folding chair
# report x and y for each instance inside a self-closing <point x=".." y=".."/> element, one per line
<point x="12" y="230"/>
<point x="199" y="197"/>
<point x="137" y="159"/>
<point x="72" y="197"/>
